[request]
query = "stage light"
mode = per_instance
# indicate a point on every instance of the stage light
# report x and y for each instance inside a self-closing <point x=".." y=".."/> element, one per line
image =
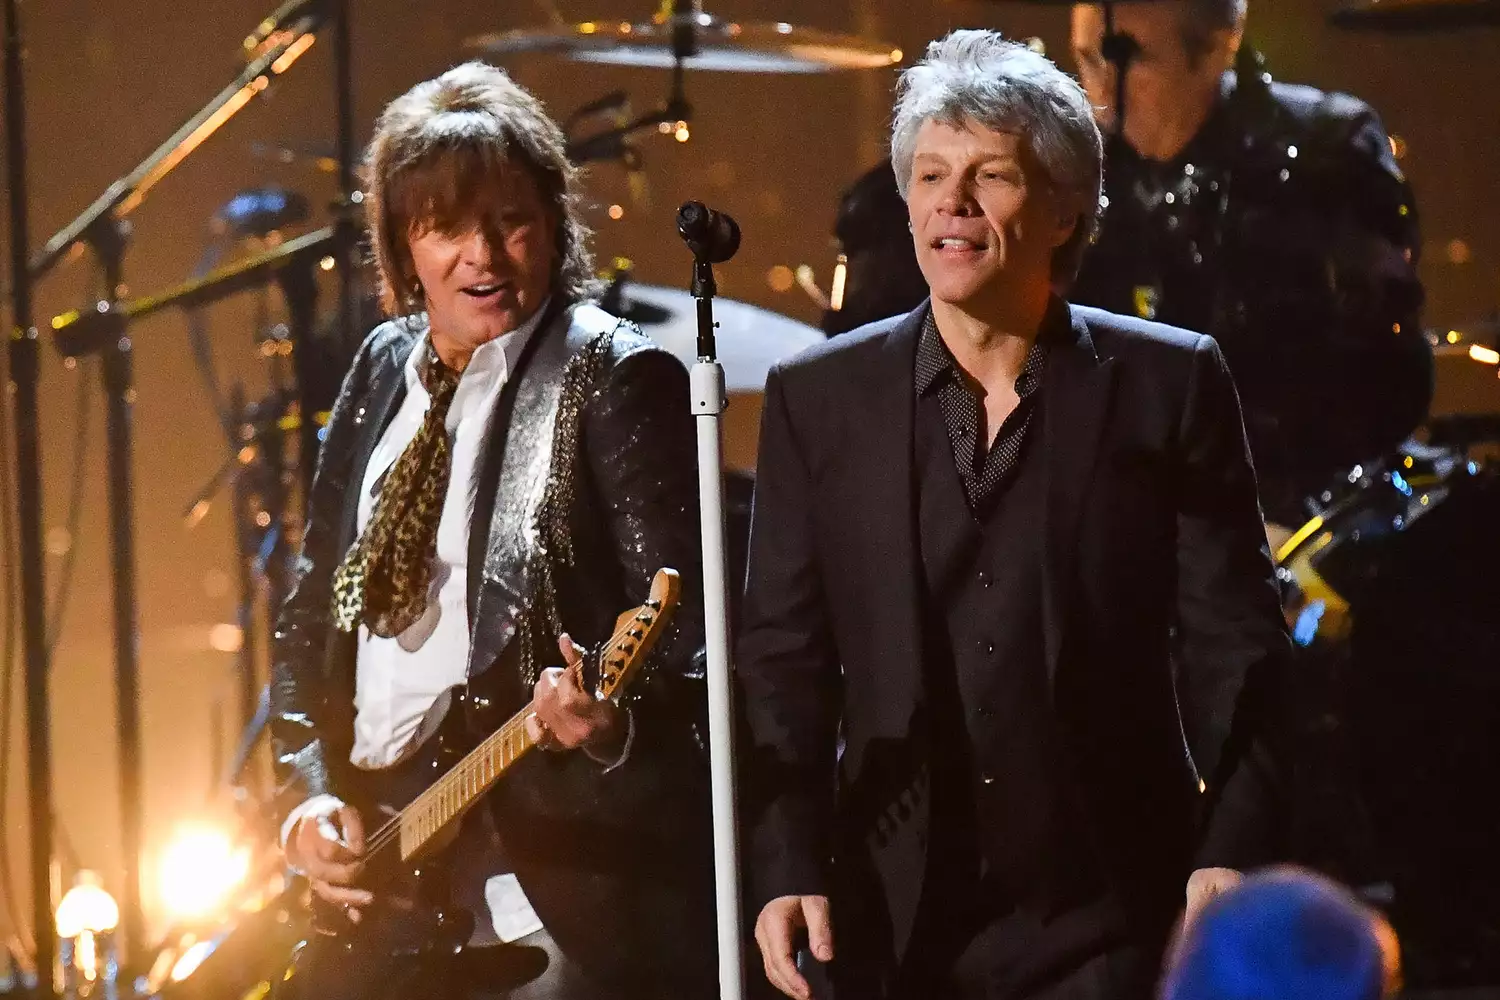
<point x="87" y="907"/>
<point x="780" y="278"/>
<point x="199" y="870"/>
<point x="1484" y="355"/>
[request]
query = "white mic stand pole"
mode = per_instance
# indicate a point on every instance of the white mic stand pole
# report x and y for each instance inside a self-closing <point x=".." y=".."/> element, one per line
<point x="708" y="402"/>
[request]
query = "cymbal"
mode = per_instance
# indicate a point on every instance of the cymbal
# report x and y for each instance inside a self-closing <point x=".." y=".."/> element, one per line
<point x="725" y="46"/>
<point x="1416" y="15"/>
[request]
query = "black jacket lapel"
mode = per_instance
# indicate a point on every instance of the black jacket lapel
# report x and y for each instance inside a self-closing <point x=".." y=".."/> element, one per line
<point x="374" y="416"/>
<point x="888" y="483"/>
<point x="1077" y="393"/>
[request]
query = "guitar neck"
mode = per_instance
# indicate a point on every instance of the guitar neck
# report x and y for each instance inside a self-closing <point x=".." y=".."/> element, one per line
<point x="452" y="794"/>
<point x="610" y="668"/>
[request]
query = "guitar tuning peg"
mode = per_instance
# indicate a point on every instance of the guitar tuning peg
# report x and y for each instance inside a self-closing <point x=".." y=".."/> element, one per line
<point x="636" y="634"/>
<point x="653" y="605"/>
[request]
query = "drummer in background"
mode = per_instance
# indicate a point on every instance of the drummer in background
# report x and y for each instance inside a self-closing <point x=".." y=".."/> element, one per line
<point x="1271" y="216"/>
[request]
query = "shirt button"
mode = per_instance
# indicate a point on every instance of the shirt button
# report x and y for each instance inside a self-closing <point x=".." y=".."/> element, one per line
<point x="988" y="779"/>
<point x="985" y="580"/>
<point x="986" y="646"/>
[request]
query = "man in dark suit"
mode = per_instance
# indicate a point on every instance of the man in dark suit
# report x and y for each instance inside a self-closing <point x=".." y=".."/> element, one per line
<point x="506" y="466"/>
<point x="1272" y="216"/>
<point x="1012" y="646"/>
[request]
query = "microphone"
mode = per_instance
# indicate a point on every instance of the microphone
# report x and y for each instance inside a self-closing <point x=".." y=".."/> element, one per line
<point x="713" y="236"/>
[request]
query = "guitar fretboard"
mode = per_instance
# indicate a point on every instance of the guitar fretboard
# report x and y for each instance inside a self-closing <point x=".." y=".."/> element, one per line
<point x="455" y="791"/>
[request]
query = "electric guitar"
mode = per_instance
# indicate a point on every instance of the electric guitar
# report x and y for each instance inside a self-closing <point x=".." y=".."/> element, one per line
<point x="422" y="798"/>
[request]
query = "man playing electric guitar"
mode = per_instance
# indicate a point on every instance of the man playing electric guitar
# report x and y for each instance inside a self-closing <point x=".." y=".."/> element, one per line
<point x="504" y="469"/>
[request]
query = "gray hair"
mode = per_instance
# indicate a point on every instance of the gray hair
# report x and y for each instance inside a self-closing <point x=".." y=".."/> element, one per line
<point x="1006" y="87"/>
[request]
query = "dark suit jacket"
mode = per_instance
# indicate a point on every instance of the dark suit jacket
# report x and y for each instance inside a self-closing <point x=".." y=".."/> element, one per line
<point x="1154" y="555"/>
<point x="587" y="846"/>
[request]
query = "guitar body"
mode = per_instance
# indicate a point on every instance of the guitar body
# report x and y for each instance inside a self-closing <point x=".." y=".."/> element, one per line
<point x="409" y="942"/>
<point x="397" y="948"/>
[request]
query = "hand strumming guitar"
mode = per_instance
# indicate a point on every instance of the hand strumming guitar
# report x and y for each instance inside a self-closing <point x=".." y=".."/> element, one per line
<point x="566" y="717"/>
<point x="329" y="855"/>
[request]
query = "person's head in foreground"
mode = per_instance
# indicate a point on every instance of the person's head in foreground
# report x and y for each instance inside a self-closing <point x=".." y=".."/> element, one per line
<point x="997" y="154"/>
<point x="1285" y="935"/>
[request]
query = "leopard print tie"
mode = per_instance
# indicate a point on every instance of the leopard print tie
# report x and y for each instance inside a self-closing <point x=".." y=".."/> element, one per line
<point x="384" y="579"/>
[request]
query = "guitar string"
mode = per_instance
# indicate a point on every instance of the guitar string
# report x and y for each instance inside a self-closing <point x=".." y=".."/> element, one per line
<point x="391" y="829"/>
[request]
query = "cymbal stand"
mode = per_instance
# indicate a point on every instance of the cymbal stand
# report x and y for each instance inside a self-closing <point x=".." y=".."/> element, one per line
<point x="24" y="363"/>
<point x="611" y="144"/>
<point x="1118" y="50"/>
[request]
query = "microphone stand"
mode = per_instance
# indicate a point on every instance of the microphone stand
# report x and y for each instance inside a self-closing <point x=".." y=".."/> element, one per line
<point x="1118" y="49"/>
<point x="24" y="362"/>
<point x="708" y="403"/>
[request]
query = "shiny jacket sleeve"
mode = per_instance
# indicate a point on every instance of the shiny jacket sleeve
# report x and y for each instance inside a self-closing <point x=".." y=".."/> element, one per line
<point x="299" y="703"/>
<point x="1232" y="648"/>
<point x="640" y="446"/>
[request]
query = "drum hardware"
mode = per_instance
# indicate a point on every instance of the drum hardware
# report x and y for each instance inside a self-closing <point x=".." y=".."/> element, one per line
<point x="259" y="212"/>
<point x="1372" y="502"/>
<point x="316" y="156"/>
<point x="1416" y="15"/>
<point x="681" y="36"/>
<point x="103" y="227"/>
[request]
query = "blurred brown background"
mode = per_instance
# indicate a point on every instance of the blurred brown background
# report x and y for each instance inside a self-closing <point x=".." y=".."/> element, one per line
<point x="109" y="79"/>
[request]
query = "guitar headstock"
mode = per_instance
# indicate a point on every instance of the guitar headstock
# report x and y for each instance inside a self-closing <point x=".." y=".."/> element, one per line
<point x="636" y="631"/>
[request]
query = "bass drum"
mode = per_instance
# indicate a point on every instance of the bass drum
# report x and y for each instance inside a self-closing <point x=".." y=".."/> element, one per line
<point x="1392" y="598"/>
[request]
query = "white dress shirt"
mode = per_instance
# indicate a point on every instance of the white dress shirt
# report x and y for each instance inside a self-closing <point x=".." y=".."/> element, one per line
<point x="398" y="679"/>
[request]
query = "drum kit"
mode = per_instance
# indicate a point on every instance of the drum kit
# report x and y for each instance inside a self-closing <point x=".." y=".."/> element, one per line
<point x="1390" y="570"/>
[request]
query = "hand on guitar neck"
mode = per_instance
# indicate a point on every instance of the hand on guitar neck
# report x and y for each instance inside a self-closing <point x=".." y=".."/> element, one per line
<point x="566" y="717"/>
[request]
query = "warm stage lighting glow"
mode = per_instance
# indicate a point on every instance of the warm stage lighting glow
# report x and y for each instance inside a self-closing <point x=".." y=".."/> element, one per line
<point x="188" y="963"/>
<point x="86" y="907"/>
<point x="199" y="869"/>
